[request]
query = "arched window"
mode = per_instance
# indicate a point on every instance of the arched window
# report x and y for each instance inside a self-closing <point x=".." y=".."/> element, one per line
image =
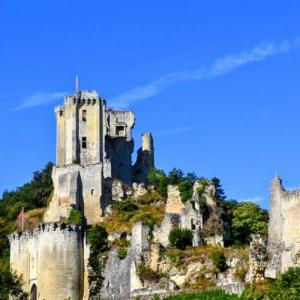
<point x="33" y="292"/>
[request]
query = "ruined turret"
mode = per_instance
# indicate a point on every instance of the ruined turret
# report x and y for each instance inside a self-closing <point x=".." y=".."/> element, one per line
<point x="145" y="159"/>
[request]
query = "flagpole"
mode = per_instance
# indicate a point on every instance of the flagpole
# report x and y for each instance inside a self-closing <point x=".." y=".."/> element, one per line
<point x="23" y="219"/>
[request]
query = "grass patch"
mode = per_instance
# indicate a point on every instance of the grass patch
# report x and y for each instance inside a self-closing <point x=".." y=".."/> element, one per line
<point x="147" y="274"/>
<point x="206" y="295"/>
<point x="122" y="221"/>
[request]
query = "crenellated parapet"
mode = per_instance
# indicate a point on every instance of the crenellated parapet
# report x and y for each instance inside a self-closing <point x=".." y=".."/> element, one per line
<point x="45" y="227"/>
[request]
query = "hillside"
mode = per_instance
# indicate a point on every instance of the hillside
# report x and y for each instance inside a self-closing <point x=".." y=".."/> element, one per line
<point x="149" y="208"/>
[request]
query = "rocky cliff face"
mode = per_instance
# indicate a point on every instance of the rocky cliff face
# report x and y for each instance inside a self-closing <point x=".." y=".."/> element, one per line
<point x="149" y="268"/>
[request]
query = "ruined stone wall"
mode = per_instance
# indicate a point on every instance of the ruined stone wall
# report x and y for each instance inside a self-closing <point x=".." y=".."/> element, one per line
<point x="77" y="187"/>
<point x="284" y="229"/>
<point x="145" y="159"/>
<point x="120" y="276"/>
<point x="51" y="257"/>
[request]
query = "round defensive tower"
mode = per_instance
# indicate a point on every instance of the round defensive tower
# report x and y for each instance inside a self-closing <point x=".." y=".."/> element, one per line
<point x="50" y="258"/>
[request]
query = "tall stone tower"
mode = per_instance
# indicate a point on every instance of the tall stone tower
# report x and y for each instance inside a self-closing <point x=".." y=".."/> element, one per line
<point x="81" y="129"/>
<point x="93" y="145"/>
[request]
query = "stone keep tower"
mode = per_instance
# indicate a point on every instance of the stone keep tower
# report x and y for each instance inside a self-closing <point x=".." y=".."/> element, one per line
<point x="93" y="145"/>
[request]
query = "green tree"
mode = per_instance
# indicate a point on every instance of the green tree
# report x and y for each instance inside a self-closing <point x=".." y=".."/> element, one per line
<point x="175" y="176"/>
<point x="31" y="195"/>
<point x="186" y="190"/>
<point x="219" y="260"/>
<point x="159" y="179"/>
<point x="97" y="238"/>
<point x="286" y="286"/>
<point x="10" y="283"/>
<point x="75" y="217"/>
<point x="248" y="218"/>
<point x="220" y="194"/>
<point x="181" y="238"/>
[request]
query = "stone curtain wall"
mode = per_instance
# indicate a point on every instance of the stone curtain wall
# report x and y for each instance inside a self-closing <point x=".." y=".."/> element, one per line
<point x="51" y="257"/>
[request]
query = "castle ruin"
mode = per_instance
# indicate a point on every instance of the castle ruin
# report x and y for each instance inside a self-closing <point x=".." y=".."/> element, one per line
<point x="284" y="229"/>
<point x="94" y="147"/>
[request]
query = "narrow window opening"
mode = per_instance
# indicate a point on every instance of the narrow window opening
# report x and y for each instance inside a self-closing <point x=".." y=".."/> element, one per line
<point x="92" y="191"/>
<point x="193" y="225"/>
<point x="120" y="130"/>
<point x="60" y="113"/>
<point x="83" y="142"/>
<point x="84" y="115"/>
<point x="193" y="204"/>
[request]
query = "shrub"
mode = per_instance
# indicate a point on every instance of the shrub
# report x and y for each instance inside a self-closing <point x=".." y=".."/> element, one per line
<point x="181" y="238"/>
<point x="175" y="176"/>
<point x="147" y="274"/>
<point x="124" y="206"/>
<point x="174" y="257"/>
<point x="286" y="286"/>
<point x="248" y="219"/>
<point x="186" y="190"/>
<point x="257" y="291"/>
<point x="97" y="238"/>
<point x="75" y="217"/>
<point x="122" y="253"/>
<point x="10" y="283"/>
<point x="159" y="179"/>
<point x="219" y="260"/>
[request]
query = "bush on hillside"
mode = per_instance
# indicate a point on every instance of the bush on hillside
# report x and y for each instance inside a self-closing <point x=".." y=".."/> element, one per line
<point x="10" y="283"/>
<point x="124" y="206"/>
<point x="219" y="260"/>
<point x="186" y="190"/>
<point x="30" y="195"/>
<point x="181" y="238"/>
<point x="159" y="179"/>
<point x="75" y="217"/>
<point x="286" y="286"/>
<point x="97" y="238"/>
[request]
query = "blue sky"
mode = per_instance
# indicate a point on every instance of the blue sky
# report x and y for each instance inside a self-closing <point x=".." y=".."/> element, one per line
<point x="217" y="82"/>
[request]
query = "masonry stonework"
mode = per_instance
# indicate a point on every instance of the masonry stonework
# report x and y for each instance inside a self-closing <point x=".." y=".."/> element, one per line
<point x="284" y="229"/>
<point x="93" y="152"/>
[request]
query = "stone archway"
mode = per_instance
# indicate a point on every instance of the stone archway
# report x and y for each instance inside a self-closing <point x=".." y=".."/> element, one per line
<point x="33" y="292"/>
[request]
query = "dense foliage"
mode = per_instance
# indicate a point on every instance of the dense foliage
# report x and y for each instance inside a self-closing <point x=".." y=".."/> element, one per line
<point x="124" y="206"/>
<point x="246" y="218"/>
<point x="30" y="195"/>
<point x="184" y="181"/>
<point x="181" y="238"/>
<point x="75" y="217"/>
<point x="287" y="286"/>
<point x="10" y="283"/>
<point x="97" y="238"/>
<point x="219" y="260"/>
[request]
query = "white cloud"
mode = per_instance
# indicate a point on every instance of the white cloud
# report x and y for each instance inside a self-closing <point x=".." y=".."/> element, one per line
<point x="176" y="130"/>
<point x="219" y="67"/>
<point x="255" y="199"/>
<point x="40" y="99"/>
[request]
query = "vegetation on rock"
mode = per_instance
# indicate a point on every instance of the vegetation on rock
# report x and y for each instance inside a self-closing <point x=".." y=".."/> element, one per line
<point x="219" y="260"/>
<point x="181" y="238"/>
<point x="75" y="217"/>
<point x="147" y="274"/>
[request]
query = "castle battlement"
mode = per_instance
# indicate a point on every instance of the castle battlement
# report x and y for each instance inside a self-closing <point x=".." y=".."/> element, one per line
<point x="45" y="227"/>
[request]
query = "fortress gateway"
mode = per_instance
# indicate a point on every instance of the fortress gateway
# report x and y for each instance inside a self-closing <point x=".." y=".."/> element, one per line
<point x="94" y="146"/>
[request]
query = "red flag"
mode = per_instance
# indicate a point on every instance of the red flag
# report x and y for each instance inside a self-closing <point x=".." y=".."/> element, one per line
<point x="21" y="214"/>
